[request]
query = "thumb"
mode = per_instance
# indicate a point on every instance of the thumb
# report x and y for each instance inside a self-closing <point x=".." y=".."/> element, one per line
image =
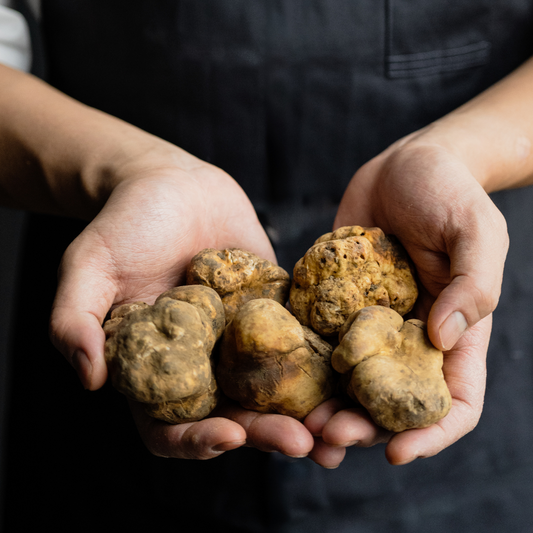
<point x="477" y="260"/>
<point x="82" y="300"/>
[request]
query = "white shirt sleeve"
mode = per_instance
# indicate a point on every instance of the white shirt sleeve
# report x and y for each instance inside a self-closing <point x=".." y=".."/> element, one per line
<point x="15" y="43"/>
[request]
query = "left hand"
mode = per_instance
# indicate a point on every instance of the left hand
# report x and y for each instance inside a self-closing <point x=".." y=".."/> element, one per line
<point x="166" y="207"/>
<point x="425" y="195"/>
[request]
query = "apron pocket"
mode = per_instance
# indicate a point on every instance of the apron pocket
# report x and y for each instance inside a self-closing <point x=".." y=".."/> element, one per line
<point x="428" y="38"/>
<point x="436" y="61"/>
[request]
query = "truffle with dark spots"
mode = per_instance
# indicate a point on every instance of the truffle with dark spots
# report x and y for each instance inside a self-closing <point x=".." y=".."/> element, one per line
<point x="238" y="276"/>
<point x="351" y="268"/>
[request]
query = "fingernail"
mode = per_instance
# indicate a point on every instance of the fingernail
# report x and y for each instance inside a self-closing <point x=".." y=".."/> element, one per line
<point x="330" y="467"/>
<point x="405" y="461"/>
<point x="452" y="329"/>
<point x="226" y="446"/>
<point x="347" y="444"/>
<point x="83" y="367"/>
<point x="296" y="456"/>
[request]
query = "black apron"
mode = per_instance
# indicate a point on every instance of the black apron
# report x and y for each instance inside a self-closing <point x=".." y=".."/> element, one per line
<point x="290" y="97"/>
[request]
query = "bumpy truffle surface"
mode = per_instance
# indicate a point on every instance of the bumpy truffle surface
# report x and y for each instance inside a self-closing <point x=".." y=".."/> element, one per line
<point x="396" y="373"/>
<point x="271" y="364"/>
<point x="190" y="409"/>
<point x="162" y="353"/>
<point x="238" y="277"/>
<point x="351" y="268"/>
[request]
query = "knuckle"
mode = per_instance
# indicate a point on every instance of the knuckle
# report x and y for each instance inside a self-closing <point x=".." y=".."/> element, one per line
<point x="472" y="421"/>
<point x="488" y="302"/>
<point x="156" y="452"/>
<point x="56" y="334"/>
<point x="470" y="416"/>
<point x="194" y="445"/>
<point x="153" y="447"/>
<point x="484" y="300"/>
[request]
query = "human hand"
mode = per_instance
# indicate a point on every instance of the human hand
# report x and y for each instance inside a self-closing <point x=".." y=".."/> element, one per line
<point x="166" y="206"/>
<point x="425" y="195"/>
<point x="152" y="206"/>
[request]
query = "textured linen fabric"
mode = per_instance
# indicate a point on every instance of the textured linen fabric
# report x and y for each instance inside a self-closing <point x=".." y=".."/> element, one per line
<point x="290" y="97"/>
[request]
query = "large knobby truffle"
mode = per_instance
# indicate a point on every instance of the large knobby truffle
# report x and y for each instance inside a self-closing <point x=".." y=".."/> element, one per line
<point x="351" y="268"/>
<point x="271" y="364"/>
<point x="238" y="276"/>
<point x="396" y="373"/>
<point x="160" y="355"/>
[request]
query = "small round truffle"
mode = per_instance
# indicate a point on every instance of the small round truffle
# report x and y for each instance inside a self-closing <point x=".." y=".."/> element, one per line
<point x="396" y="373"/>
<point x="271" y="364"/>
<point x="162" y="353"/>
<point x="238" y="277"/>
<point x="351" y="268"/>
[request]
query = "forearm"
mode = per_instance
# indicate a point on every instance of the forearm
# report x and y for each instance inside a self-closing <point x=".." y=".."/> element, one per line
<point x="493" y="133"/>
<point x="58" y="155"/>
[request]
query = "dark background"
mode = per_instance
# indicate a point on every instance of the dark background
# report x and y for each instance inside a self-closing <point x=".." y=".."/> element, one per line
<point x="74" y="460"/>
<point x="11" y="229"/>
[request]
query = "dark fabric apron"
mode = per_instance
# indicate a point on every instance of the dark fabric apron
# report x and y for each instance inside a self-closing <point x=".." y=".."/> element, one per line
<point x="290" y="97"/>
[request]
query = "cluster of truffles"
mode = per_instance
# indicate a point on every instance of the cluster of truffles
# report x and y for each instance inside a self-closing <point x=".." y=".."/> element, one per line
<point x="349" y="291"/>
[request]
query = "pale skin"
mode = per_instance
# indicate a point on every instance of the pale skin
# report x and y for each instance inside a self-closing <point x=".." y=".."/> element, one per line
<point x="152" y="206"/>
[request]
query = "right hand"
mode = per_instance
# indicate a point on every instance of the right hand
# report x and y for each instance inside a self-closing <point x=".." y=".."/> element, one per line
<point x="167" y="206"/>
<point x="424" y="193"/>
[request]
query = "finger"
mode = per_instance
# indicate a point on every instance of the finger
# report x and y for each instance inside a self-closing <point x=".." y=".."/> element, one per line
<point x="325" y="455"/>
<point x="477" y="256"/>
<point x="465" y="373"/>
<point x="271" y="432"/>
<point x="205" y="439"/>
<point x="320" y="416"/>
<point x="82" y="300"/>
<point x="353" y="427"/>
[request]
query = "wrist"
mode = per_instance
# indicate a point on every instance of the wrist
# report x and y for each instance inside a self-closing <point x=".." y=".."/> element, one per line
<point x="102" y="152"/>
<point x="108" y="153"/>
<point x="493" y="133"/>
<point x="496" y="154"/>
<point x="62" y="157"/>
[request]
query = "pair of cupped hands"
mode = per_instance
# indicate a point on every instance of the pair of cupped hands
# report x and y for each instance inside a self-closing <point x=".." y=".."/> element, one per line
<point x="168" y="205"/>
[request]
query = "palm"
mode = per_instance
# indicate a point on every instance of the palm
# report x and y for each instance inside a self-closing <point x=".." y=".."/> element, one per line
<point x="150" y="228"/>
